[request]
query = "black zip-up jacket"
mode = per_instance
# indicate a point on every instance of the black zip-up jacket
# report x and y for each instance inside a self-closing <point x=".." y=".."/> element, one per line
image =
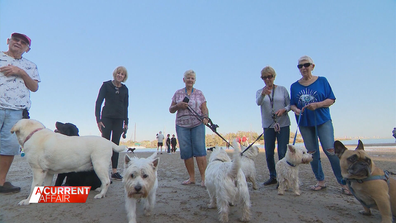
<point x="116" y="102"/>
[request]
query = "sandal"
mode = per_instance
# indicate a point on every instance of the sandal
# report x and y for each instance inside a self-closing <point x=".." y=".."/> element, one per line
<point x="346" y="191"/>
<point x="188" y="182"/>
<point x="317" y="187"/>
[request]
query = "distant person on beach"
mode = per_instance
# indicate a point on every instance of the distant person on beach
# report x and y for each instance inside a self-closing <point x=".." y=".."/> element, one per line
<point x="160" y="141"/>
<point x="311" y="97"/>
<point x="18" y="77"/>
<point x="113" y="120"/>
<point x="168" y="142"/>
<point x="394" y="132"/>
<point x="274" y="102"/>
<point x="190" y="129"/>
<point x="173" y="143"/>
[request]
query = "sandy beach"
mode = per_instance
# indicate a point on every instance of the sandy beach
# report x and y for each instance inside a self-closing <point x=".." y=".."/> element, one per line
<point x="179" y="203"/>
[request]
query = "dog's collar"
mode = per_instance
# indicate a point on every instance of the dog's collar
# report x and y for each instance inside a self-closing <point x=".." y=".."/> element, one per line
<point x="291" y="164"/>
<point x="31" y="134"/>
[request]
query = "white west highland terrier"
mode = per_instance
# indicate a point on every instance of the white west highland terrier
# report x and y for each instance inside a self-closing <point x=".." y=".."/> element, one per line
<point x="140" y="182"/>
<point x="226" y="183"/>
<point x="248" y="167"/>
<point x="287" y="168"/>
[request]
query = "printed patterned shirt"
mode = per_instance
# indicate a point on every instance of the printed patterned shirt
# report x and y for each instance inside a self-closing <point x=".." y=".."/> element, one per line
<point x="14" y="94"/>
<point x="318" y="91"/>
<point x="185" y="118"/>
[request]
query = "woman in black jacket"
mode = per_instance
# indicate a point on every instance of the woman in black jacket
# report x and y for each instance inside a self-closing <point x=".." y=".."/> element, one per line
<point x="113" y="120"/>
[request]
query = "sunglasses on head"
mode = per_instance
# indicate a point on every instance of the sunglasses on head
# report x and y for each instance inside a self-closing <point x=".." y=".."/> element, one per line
<point x="267" y="77"/>
<point x="303" y="65"/>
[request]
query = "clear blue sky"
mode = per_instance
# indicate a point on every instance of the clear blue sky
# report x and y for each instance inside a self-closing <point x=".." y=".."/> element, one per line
<point x="77" y="45"/>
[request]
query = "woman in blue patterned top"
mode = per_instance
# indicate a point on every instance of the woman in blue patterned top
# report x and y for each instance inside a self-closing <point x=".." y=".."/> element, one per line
<point x="311" y="96"/>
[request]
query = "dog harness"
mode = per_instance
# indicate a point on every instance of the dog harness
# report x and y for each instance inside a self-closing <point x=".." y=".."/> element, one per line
<point x="376" y="177"/>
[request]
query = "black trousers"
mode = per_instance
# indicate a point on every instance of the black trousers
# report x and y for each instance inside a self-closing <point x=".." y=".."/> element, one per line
<point x="114" y="128"/>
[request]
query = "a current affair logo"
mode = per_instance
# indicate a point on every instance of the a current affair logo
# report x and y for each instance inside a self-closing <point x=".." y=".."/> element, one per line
<point x="44" y="194"/>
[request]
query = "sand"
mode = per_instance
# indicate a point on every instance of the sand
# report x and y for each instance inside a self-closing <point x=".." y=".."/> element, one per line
<point x="180" y="203"/>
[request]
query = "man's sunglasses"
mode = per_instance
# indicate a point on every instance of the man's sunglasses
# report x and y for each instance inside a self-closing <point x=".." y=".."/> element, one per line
<point x="303" y="65"/>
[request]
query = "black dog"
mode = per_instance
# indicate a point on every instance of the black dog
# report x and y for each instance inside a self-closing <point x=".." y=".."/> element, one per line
<point x="86" y="178"/>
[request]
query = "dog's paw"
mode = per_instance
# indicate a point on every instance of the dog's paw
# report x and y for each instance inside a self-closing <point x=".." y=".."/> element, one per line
<point x="245" y="219"/>
<point x="280" y="192"/>
<point x="223" y="217"/>
<point x="366" y="213"/>
<point x="147" y="212"/>
<point x="211" y="206"/>
<point x="98" y="196"/>
<point x="24" y="202"/>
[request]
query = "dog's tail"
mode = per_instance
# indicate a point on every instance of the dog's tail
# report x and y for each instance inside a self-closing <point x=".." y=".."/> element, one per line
<point x="120" y="148"/>
<point x="236" y="160"/>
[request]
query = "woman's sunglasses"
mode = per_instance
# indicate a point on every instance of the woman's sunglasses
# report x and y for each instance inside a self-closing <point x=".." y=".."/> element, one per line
<point x="303" y="65"/>
<point x="267" y="77"/>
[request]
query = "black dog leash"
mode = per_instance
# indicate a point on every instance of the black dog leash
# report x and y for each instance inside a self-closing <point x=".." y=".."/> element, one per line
<point x="210" y="124"/>
<point x="251" y="144"/>
<point x="255" y="140"/>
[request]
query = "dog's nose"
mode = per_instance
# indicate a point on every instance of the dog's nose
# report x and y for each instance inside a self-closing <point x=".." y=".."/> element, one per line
<point x="138" y="187"/>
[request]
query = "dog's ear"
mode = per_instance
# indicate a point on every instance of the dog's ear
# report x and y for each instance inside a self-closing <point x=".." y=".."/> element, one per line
<point x="291" y="148"/>
<point x="360" y="145"/>
<point x="155" y="163"/>
<point x="14" y="128"/>
<point x="153" y="155"/>
<point x="339" y="148"/>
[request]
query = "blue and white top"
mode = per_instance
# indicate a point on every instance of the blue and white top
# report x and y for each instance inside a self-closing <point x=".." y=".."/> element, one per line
<point x="318" y="91"/>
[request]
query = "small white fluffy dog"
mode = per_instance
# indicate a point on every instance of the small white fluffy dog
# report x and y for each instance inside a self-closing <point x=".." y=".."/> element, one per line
<point x="248" y="167"/>
<point x="287" y="168"/>
<point x="140" y="182"/>
<point x="49" y="153"/>
<point x="226" y="183"/>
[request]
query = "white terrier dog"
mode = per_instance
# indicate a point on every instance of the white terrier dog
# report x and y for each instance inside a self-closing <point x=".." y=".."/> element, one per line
<point x="248" y="167"/>
<point x="140" y="182"/>
<point x="226" y="183"/>
<point x="287" y="168"/>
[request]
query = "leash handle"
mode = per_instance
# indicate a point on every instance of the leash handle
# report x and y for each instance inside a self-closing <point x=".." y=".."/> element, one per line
<point x="298" y="125"/>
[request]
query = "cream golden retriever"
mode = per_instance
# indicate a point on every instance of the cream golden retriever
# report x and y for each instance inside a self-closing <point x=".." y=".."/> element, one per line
<point x="49" y="153"/>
